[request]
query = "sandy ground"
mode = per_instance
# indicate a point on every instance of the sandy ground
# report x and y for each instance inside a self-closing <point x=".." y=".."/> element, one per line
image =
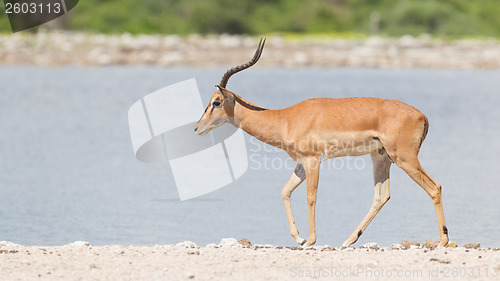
<point x="74" y="48"/>
<point x="231" y="261"/>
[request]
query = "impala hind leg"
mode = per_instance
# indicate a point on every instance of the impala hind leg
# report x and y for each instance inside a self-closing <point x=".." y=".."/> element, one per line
<point x="296" y="179"/>
<point x="381" y="168"/>
<point x="413" y="168"/>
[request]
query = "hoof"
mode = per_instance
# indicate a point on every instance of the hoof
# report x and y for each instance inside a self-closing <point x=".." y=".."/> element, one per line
<point x="442" y="244"/>
<point x="309" y="244"/>
<point x="347" y="243"/>
<point x="301" y="241"/>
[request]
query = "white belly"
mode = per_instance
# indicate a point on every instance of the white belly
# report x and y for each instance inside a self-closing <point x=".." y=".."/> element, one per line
<point x="351" y="145"/>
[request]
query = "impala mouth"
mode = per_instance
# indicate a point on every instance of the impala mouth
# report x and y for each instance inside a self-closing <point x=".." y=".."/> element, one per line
<point x="201" y="132"/>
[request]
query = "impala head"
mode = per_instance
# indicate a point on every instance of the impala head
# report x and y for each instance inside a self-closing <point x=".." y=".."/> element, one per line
<point x="220" y="110"/>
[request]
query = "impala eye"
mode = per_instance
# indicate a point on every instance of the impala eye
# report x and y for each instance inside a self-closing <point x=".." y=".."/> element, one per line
<point x="217" y="103"/>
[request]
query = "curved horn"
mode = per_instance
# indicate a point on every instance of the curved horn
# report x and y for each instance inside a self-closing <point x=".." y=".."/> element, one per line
<point x="241" y="67"/>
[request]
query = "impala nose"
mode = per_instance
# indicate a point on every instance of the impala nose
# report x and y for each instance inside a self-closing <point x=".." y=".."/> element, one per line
<point x="195" y="129"/>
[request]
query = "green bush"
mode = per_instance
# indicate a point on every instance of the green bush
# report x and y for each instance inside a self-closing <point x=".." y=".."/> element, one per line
<point x="397" y="17"/>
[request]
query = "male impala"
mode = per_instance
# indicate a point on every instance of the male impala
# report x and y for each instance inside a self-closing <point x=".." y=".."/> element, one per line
<point x="318" y="129"/>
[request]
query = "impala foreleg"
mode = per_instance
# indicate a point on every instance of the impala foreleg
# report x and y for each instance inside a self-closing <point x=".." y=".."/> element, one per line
<point x="296" y="179"/>
<point x="311" y="167"/>
<point x="381" y="168"/>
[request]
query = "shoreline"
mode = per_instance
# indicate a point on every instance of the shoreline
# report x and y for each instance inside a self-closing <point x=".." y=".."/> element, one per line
<point x="230" y="260"/>
<point x="58" y="48"/>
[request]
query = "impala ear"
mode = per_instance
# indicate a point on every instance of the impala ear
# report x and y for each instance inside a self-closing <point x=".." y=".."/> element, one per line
<point x="220" y="90"/>
<point x="223" y="91"/>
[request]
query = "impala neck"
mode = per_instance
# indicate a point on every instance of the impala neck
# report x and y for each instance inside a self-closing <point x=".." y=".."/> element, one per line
<point x="263" y="124"/>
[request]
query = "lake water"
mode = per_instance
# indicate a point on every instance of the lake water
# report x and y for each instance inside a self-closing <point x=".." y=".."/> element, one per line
<point x="68" y="172"/>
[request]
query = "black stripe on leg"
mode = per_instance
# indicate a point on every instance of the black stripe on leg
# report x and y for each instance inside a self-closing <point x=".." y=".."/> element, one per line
<point x="445" y="230"/>
<point x="359" y="233"/>
<point x="300" y="172"/>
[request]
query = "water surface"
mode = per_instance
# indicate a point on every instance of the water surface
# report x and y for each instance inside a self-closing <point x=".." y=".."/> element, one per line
<point x="67" y="169"/>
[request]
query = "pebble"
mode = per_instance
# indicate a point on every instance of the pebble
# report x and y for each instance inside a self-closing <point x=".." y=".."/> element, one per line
<point x="396" y="246"/>
<point x="245" y="242"/>
<point x="441" y="260"/>
<point x="406" y="244"/>
<point x="79" y="244"/>
<point x="431" y="244"/>
<point x="193" y="251"/>
<point x="266" y="246"/>
<point x="186" y="244"/>
<point x="371" y="245"/>
<point x="472" y="245"/>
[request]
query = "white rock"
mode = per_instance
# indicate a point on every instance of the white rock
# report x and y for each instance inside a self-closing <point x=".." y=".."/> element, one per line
<point x="164" y="246"/>
<point x="212" y="245"/>
<point x="186" y="244"/>
<point x="8" y="244"/>
<point x="414" y="247"/>
<point x="264" y="246"/>
<point x="79" y="244"/>
<point x="229" y="243"/>
<point x="396" y="246"/>
<point x="371" y="245"/>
